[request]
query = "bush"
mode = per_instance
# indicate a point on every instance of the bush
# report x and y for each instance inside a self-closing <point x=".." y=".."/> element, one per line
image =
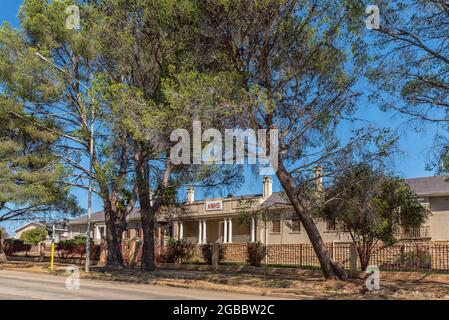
<point x="34" y="236"/>
<point x="72" y="248"/>
<point x="415" y="260"/>
<point x="206" y="253"/>
<point x="256" y="253"/>
<point x="13" y="246"/>
<point x="175" y="251"/>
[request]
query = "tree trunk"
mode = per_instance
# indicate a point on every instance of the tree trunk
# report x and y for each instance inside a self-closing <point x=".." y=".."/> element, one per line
<point x="2" y="253"/>
<point x="147" y="213"/>
<point x="364" y="251"/>
<point x="330" y="269"/>
<point x="113" y="239"/>
<point x="148" y="259"/>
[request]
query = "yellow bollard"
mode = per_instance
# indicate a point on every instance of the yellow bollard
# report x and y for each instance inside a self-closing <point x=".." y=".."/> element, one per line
<point x="52" y="261"/>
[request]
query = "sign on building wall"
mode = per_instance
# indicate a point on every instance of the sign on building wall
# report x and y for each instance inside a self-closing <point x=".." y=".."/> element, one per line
<point x="214" y="205"/>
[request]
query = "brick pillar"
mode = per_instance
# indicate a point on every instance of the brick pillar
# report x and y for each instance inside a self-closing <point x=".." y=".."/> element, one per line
<point x="132" y="253"/>
<point x="215" y="255"/>
<point x="103" y="255"/>
<point x="353" y="259"/>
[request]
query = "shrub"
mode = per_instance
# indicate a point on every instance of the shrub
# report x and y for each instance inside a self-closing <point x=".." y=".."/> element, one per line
<point x="14" y="245"/>
<point x="419" y="259"/>
<point x="34" y="236"/>
<point x="175" y="251"/>
<point x="256" y="253"/>
<point x="72" y="248"/>
<point x="206" y="253"/>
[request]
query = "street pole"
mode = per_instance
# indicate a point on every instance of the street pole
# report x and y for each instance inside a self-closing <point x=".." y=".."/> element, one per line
<point x="91" y="155"/>
<point x="52" y="259"/>
<point x="89" y="197"/>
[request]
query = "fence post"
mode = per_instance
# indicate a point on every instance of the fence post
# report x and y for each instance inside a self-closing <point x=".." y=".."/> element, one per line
<point x="131" y="252"/>
<point x="333" y="250"/>
<point x="2" y="252"/>
<point x="353" y="260"/>
<point x="419" y="257"/>
<point x="215" y="255"/>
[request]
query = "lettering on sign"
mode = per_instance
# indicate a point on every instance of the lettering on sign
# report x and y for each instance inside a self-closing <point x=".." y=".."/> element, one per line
<point x="214" y="205"/>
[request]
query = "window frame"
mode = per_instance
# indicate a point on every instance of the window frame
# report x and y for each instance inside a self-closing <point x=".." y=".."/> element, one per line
<point x="277" y="220"/>
<point x="295" y="220"/>
<point x="329" y="222"/>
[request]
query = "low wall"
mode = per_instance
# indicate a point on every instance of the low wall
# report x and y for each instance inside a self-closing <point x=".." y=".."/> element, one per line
<point x="76" y="261"/>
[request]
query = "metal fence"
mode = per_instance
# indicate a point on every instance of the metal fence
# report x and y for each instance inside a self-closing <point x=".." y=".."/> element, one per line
<point x="419" y="257"/>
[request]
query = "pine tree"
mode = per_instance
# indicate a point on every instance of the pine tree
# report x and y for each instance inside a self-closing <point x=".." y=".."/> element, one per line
<point x="31" y="176"/>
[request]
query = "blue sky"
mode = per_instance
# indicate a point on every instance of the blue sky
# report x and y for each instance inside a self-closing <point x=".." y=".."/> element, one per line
<point x="415" y="146"/>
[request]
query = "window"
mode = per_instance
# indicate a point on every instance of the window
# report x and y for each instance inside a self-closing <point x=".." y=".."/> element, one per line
<point x="276" y="225"/>
<point x="331" y="225"/>
<point x="138" y="233"/>
<point x="82" y="230"/>
<point x="127" y="234"/>
<point x="296" y="225"/>
<point x="169" y="231"/>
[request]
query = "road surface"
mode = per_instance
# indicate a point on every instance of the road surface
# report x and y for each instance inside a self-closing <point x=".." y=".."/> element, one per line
<point x="24" y="286"/>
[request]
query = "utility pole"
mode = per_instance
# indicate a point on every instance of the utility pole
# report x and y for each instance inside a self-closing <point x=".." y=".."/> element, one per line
<point x="91" y="155"/>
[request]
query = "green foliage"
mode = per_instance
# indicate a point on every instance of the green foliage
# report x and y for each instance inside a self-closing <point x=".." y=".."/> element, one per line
<point x="256" y="253"/>
<point x="34" y="236"/>
<point x="206" y="253"/>
<point x="370" y="204"/>
<point x="372" y="207"/>
<point x="410" y="73"/>
<point x="15" y="245"/>
<point x="176" y="251"/>
<point x="30" y="172"/>
<point x="414" y="260"/>
<point x="73" y="247"/>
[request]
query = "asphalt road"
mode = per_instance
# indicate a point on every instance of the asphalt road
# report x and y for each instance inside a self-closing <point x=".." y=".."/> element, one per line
<point x="25" y="286"/>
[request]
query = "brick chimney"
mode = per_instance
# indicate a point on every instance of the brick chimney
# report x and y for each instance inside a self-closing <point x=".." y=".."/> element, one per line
<point x="267" y="186"/>
<point x="318" y="176"/>
<point x="190" y="195"/>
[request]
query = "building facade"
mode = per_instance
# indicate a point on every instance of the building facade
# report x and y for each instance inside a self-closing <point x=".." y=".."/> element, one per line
<point x="78" y="227"/>
<point x="61" y="230"/>
<point x="268" y="218"/>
